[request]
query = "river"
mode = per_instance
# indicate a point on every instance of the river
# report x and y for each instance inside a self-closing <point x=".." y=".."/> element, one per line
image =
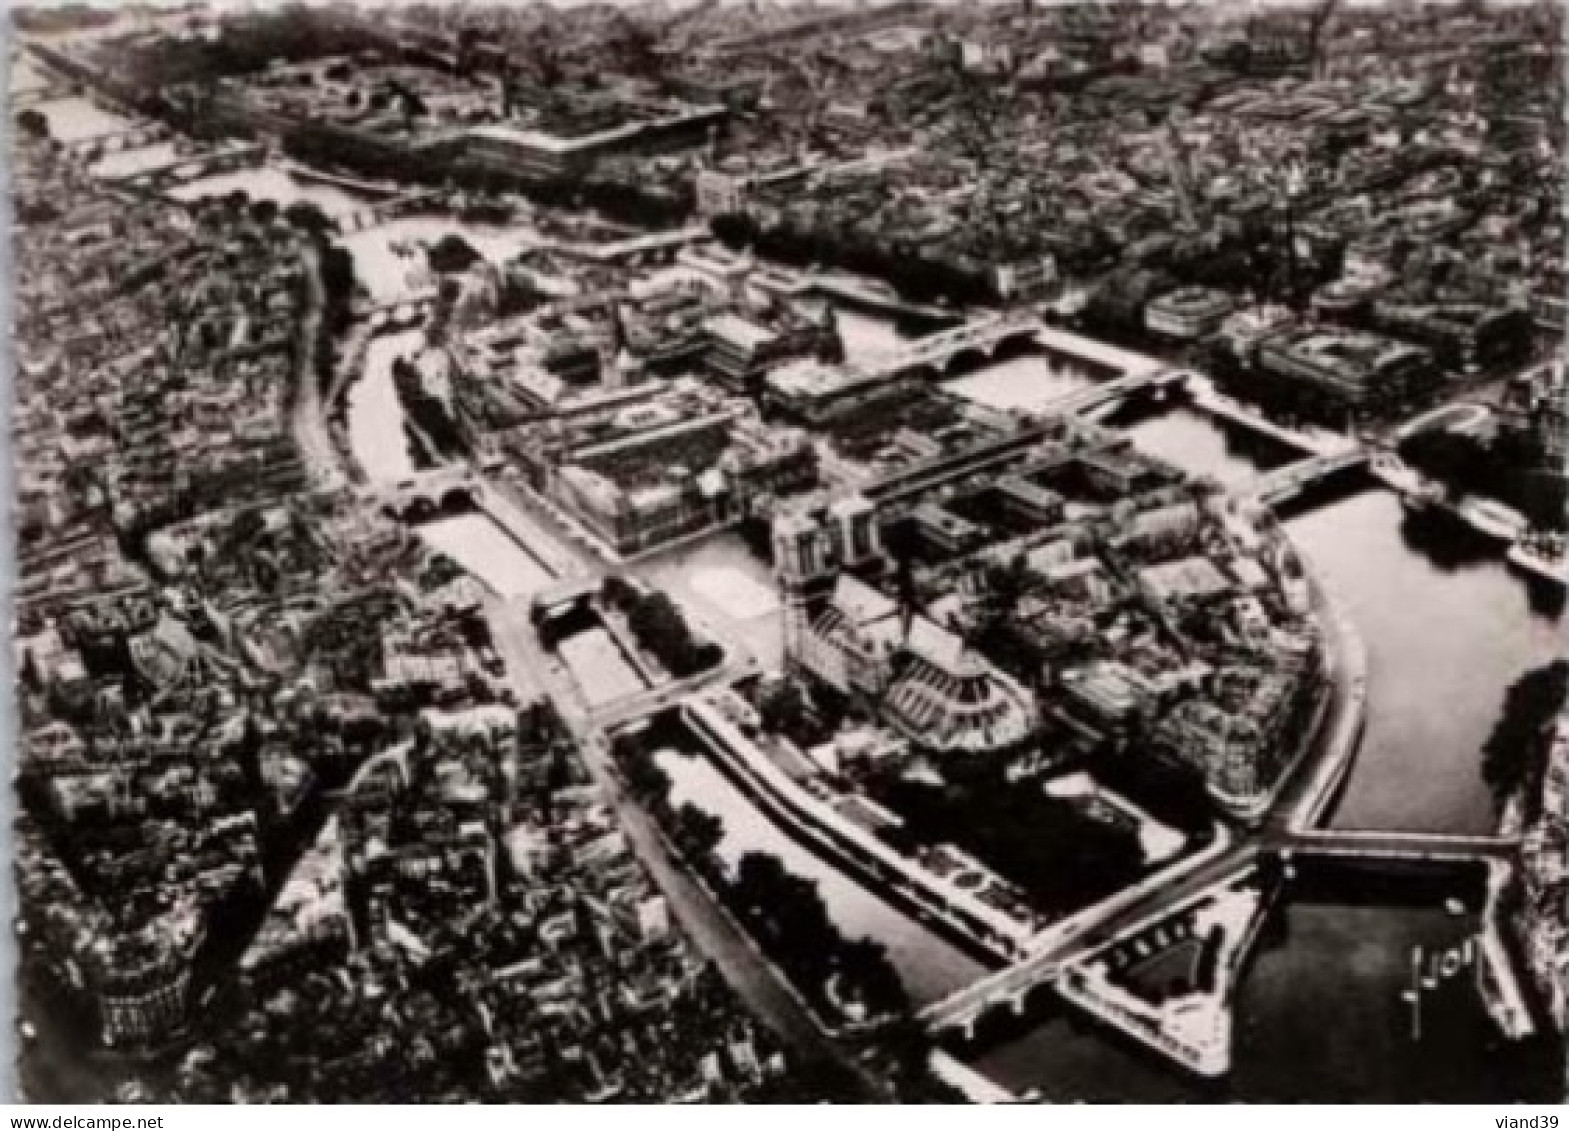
<point x="76" y="118"/>
<point x="930" y="967"/>
<point x="1448" y="627"/>
<point x="488" y="552"/>
<point x="378" y="435"/>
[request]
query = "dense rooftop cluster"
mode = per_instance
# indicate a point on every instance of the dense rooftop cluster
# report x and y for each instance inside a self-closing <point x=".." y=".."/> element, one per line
<point x="214" y="645"/>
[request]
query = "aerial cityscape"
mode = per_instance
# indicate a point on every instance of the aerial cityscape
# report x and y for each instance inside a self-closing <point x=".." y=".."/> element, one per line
<point x="739" y="551"/>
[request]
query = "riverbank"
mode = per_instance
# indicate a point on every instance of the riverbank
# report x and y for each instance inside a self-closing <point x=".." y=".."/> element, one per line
<point x="1346" y="670"/>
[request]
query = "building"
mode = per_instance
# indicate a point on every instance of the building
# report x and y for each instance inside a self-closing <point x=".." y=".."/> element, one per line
<point x="1534" y="408"/>
<point x="1355" y="371"/>
<point x="143" y="981"/>
<point x="538" y="153"/>
<point x="816" y="393"/>
<point x="1245" y="331"/>
<point x="1031" y="278"/>
<point x="1542" y="920"/>
<point x="810" y="547"/>
<point x="922" y="680"/>
<point x="1464" y="333"/>
<point x="1187" y="314"/>
<point x="673" y="464"/>
<point x="739" y="350"/>
<point x="1225" y="749"/>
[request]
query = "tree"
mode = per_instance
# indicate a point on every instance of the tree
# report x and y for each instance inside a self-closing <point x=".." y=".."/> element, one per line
<point x="1005" y="586"/>
<point x="734" y="231"/>
<point x="307" y="217"/>
<point x="32" y="123"/>
<point x="871" y="977"/>
<point x="783" y="708"/>
<point x="697" y="833"/>
<point x="451" y="255"/>
<point x="1514" y="757"/>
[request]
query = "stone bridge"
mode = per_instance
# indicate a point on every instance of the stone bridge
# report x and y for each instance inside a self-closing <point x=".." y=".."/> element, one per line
<point x="1287" y="482"/>
<point x="194" y="166"/>
<point x="382" y="212"/>
<point x="427" y="494"/>
<point x="92" y="148"/>
<point x="975" y="341"/>
<point x="405" y="312"/>
<point x="1108" y="393"/>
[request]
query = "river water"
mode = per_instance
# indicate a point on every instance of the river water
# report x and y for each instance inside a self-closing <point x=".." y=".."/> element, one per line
<point x="488" y="552"/>
<point x="930" y="967"/>
<point x="75" y="118"/>
<point x="376" y="421"/>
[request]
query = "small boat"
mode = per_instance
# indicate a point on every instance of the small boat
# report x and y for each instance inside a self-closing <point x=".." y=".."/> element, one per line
<point x="1541" y="553"/>
<point x="1454" y="907"/>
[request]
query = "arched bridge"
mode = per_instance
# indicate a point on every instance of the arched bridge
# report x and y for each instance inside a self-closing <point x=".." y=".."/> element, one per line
<point x="1287" y="482"/>
<point x="1114" y="391"/>
<point x="91" y="148"/>
<point x="384" y="211"/>
<point x="399" y="313"/>
<point x="978" y="340"/>
<point x="424" y="495"/>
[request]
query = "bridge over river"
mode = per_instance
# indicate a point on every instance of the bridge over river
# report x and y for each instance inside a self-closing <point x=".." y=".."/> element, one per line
<point x="1079" y="937"/>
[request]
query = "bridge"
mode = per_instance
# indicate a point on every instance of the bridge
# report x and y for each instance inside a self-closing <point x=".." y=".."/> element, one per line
<point x="670" y="693"/>
<point x="1436" y="848"/>
<point x="427" y="493"/>
<point x="457" y="487"/>
<point x="382" y="212"/>
<point x="1092" y="930"/>
<point x="194" y="166"/>
<point x="1287" y="482"/>
<point x="1115" y="391"/>
<point x="92" y="148"/>
<point x="977" y="341"/>
<point x="402" y="313"/>
<point x="1089" y="931"/>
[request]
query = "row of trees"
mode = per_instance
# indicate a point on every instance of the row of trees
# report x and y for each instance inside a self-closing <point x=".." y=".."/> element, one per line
<point x="339" y="282"/>
<point x="1061" y="856"/>
<point x="916" y="277"/>
<point x="1514" y="757"/>
<point x="1500" y="469"/>
<point x="784" y="913"/>
<point x="385" y="159"/>
<point x="430" y="413"/>
<point x="661" y="629"/>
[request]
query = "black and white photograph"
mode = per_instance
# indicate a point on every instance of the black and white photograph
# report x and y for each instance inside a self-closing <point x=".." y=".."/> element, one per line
<point x="787" y="552"/>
